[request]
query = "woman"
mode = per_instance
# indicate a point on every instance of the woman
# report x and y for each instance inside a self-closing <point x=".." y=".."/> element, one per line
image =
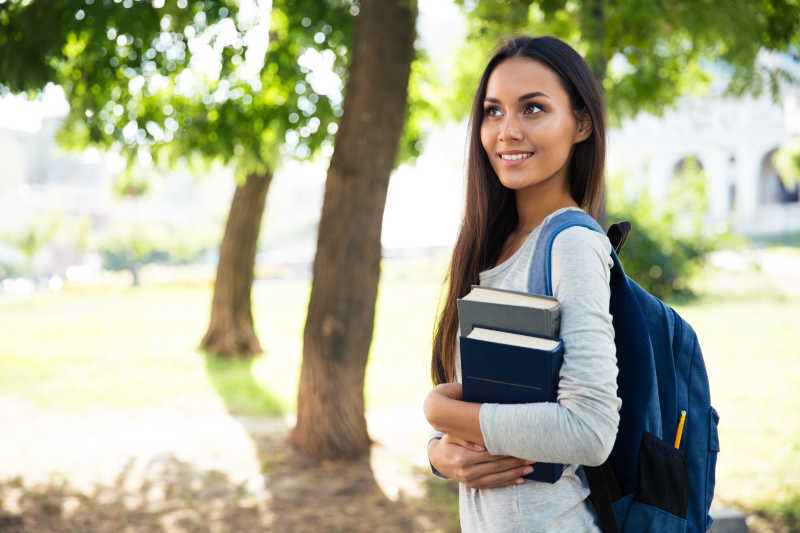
<point x="537" y="148"/>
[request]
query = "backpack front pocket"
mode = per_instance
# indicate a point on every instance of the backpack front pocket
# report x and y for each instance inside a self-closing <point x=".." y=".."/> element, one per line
<point x="663" y="480"/>
<point x="644" y="518"/>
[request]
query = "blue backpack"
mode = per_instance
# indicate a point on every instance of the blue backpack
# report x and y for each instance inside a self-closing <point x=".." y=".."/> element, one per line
<point x="646" y="484"/>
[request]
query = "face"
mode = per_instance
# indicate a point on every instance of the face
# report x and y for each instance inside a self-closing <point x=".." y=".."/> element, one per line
<point x="528" y="127"/>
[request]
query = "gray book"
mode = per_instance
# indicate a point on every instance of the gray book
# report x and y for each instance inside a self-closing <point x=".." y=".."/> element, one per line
<point x="520" y="312"/>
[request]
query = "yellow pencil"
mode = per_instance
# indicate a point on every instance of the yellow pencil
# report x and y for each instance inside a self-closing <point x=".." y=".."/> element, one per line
<point x="680" y="430"/>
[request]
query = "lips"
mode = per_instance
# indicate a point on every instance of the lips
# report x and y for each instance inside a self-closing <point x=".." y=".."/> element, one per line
<point x="520" y="157"/>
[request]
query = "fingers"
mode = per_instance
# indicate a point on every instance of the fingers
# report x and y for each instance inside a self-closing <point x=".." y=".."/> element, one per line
<point x="500" y="479"/>
<point x="488" y="459"/>
<point x="470" y="453"/>
<point x="479" y="469"/>
<point x="473" y="446"/>
<point x="505" y="467"/>
<point x="490" y="471"/>
<point x="463" y="443"/>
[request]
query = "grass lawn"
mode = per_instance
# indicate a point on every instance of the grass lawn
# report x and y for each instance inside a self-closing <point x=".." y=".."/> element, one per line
<point x="79" y="350"/>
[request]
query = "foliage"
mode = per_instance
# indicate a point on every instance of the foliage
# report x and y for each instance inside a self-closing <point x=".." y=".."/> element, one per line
<point x="35" y="233"/>
<point x="668" y="240"/>
<point x="132" y="248"/>
<point x="787" y="161"/>
<point x="654" y="51"/>
<point x="158" y="81"/>
<point x="78" y="238"/>
<point x="789" y="239"/>
<point x="425" y="92"/>
<point x="10" y="270"/>
<point x="33" y="238"/>
<point x="187" y="244"/>
<point x="130" y="183"/>
<point x="203" y="80"/>
<point x="29" y="237"/>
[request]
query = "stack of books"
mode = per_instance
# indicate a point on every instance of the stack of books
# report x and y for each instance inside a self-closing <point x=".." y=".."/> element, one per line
<point x="510" y="352"/>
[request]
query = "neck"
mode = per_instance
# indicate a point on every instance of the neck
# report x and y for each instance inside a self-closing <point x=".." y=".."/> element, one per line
<point x="536" y="202"/>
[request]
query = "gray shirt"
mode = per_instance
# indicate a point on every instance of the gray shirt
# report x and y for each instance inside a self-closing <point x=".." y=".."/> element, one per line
<point x="581" y="427"/>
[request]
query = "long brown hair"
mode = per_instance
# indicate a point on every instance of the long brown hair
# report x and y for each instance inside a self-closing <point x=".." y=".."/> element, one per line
<point x="490" y="214"/>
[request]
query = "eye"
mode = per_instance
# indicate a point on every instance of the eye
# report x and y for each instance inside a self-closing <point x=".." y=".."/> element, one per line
<point x="532" y="105"/>
<point x="487" y="111"/>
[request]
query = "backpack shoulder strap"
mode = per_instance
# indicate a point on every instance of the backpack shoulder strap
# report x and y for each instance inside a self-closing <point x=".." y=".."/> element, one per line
<point x="539" y="280"/>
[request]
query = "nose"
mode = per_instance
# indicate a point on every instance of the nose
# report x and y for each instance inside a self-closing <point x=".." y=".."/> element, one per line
<point x="510" y="129"/>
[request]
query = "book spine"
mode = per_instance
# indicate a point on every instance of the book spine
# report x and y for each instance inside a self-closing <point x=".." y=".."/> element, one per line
<point x="555" y="323"/>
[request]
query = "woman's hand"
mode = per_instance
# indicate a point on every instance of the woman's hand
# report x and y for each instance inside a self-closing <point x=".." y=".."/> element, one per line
<point x="472" y="465"/>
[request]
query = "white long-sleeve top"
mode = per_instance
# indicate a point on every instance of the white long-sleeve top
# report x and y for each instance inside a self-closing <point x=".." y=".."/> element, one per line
<point x="581" y="427"/>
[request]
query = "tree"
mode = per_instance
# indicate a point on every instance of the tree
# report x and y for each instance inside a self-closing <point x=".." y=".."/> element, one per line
<point x="388" y="112"/>
<point x="130" y="249"/>
<point x="30" y="237"/>
<point x="645" y="54"/>
<point x="137" y="82"/>
<point x="338" y="331"/>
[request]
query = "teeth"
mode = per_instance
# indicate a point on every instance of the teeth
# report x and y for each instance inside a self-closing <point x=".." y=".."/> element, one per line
<point x="516" y="156"/>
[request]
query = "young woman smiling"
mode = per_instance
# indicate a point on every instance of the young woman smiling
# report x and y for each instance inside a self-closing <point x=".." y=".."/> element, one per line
<point x="537" y="148"/>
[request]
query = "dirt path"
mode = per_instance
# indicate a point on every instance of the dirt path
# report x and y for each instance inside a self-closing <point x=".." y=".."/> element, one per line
<point x="161" y="470"/>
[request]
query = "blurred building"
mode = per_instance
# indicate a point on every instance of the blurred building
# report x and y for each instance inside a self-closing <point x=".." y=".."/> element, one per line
<point x="38" y="177"/>
<point x="733" y="140"/>
<point x="39" y="181"/>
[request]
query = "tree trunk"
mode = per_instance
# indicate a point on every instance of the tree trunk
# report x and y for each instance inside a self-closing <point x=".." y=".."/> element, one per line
<point x="341" y="311"/>
<point x="135" y="274"/>
<point x="593" y="31"/>
<point x="230" y="332"/>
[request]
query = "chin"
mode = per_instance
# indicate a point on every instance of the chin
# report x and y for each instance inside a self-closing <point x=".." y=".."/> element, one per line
<point x="517" y="184"/>
<point x="523" y="181"/>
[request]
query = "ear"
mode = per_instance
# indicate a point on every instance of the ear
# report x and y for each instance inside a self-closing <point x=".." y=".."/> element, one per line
<point x="584" y="128"/>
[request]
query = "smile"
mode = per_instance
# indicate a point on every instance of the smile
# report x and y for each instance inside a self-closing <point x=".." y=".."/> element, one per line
<point x="516" y="157"/>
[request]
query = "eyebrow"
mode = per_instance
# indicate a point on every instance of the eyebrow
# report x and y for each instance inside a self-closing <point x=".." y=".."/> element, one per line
<point x="521" y="98"/>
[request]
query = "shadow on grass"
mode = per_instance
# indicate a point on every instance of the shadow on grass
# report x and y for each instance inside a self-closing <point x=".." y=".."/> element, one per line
<point x="243" y="395"/>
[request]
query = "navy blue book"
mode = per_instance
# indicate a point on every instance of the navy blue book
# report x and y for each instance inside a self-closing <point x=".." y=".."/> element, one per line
<point x="500" y="366"/>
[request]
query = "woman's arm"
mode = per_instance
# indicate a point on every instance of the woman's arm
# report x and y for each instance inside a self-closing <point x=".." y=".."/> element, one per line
<point x="447" y="413"/>
<point x="581" y="427"/>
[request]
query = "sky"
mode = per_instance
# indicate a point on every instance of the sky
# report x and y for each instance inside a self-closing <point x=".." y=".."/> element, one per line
<point x="18" y="113"/>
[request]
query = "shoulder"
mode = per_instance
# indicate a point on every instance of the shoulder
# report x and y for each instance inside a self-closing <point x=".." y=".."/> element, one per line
<point x="581" y="240"/>
<point x="580" y="252"/>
